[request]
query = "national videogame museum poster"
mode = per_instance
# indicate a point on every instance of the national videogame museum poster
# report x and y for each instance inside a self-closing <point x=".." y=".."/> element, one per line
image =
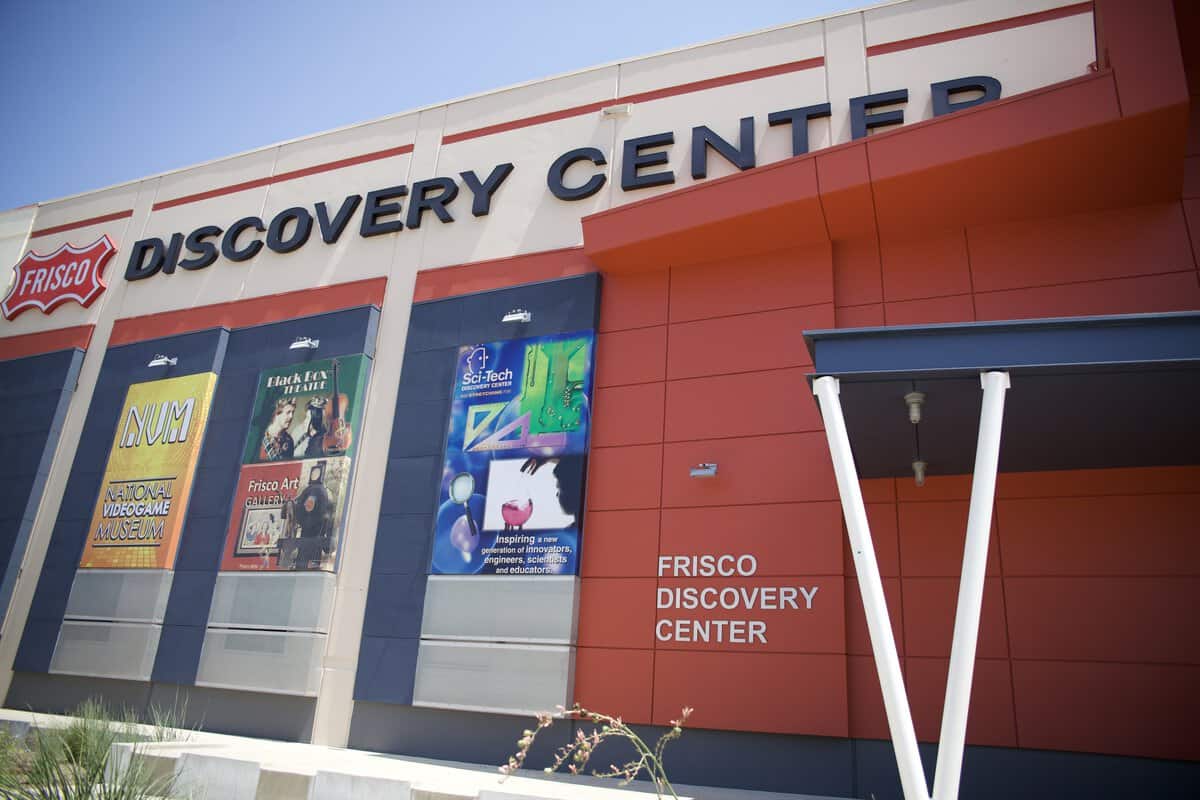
<point x="511" y="496"/>
<point x="291" y="493"/>
<point x="144" y="494"/>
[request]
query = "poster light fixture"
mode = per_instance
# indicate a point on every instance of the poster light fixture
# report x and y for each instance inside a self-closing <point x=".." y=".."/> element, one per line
<point x="160" y="360"/>
<point x="914" y="401"/>
<point x="518" y="315"/>
<point x="705" y="470"/>
<point x="305" y="343"/>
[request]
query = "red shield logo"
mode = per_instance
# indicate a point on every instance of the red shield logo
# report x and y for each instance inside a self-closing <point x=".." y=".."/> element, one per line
<point x="69" y="273"/>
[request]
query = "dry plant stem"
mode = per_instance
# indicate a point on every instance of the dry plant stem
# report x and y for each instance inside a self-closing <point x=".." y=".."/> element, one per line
<point x="578" y="753"/>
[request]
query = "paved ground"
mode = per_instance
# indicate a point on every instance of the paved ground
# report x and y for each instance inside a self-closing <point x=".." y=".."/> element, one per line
<point x="238" y="768"/>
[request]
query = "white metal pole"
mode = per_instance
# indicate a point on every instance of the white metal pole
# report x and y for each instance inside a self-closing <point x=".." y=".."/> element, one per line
<point x="970" y="591"/>
<point x="879" y="625"/>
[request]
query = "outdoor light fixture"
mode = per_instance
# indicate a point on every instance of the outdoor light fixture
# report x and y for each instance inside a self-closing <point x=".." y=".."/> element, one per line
<point x="517" y="315"/>
<point x="304" y="343"/>
<point x="914" y="400"/>
<point x="919" y="472"/>
<point x="620" y="110"/>
<point x="160" y="360"/>
<point x="705" y="470"/>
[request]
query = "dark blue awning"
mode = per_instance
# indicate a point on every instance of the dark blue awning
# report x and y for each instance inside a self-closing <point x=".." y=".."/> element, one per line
<point x="1087" y="392"/>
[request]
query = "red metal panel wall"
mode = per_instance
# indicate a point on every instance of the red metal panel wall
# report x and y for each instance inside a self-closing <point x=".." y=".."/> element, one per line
<point x="1090" y="574"/>
<point x="1087" y="639"/>
<point x="718" y="349"/>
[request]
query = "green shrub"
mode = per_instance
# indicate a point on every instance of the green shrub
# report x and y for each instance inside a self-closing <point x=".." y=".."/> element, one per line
<point x="72" y="762"/>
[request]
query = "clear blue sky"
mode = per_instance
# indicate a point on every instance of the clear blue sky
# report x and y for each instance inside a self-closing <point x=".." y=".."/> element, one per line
<point x="95" y="93"/>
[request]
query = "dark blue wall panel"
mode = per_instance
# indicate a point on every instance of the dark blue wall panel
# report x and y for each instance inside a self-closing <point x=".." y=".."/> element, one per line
<point x="420" y="430"/>
<point x="122" y="366"/>
<point x="396" y="596"/>
<point x="37" y="645"/>
<point x="248" y="352"/>
<point x="14" y="493"/>
<point x="35" y="392"/>
<point x="191" y="596"/>
<point x="178" y="655"/>
<point x="201" y="548"/>
<point x="1002" y="773"/>
<point x="427" y="375"/>
<point x="410" y="484"/>
<point x="394" y="605"/>
<point x="402" y="544"/>
<point x="807" y="765"/>
<point x="379" y="658"/>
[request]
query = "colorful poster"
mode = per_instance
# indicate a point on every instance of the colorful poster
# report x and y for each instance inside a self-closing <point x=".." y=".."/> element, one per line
<point x="287" y="516"/>
<point x="290" y="503"/>
<point x="309" y="410"/>
<point x="511" y="497"/>
<point x="144" y="495"/>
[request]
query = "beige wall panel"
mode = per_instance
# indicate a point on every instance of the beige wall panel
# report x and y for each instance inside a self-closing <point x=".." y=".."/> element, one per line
<point x="593" y="85"/>
<point x="846" y="68"/>
<point x="122" y="232"/>
<point x="352" y="257"/>
<point x="14" y="232"/>
<point x="222" y="281"/>
<point x="525" y="217"/>
<point x="214" y="175"/>
<point x="51" y="501"/>
<point x="431" y="126"/>
<point x="720" y="109"/>
<point x="17" y="222"/>
<point x="740" y="54"/>
<point x="348" y="142"/>
<point x="84" y="206"/>
<point x="1020" y="58"/>
<point x="331" y="722"/>
<point x="923" y="17"/>
<point x="350" y="601"/>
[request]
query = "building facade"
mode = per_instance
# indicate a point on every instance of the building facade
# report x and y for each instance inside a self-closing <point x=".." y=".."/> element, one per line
<point x="383" y="436"/>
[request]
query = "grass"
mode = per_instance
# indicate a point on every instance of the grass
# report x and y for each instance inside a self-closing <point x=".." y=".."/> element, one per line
<point x="73" y="762"/>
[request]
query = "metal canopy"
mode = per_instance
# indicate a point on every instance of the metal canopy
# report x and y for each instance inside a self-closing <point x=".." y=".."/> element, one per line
<point x="1090" y="392"/>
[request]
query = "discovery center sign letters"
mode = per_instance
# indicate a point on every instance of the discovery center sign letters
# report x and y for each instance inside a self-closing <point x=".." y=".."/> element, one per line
<point x="382" y="211"/>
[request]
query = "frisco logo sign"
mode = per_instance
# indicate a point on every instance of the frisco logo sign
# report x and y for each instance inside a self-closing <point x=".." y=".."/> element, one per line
<point x="69" y="273"/>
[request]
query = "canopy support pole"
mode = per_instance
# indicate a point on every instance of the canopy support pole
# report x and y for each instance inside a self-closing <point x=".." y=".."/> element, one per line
<point x="970" y="590"/>
<point x="879" y="625"/>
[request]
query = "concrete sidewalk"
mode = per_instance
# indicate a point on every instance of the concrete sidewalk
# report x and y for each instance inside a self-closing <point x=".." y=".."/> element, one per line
<point x="214" y="765"/>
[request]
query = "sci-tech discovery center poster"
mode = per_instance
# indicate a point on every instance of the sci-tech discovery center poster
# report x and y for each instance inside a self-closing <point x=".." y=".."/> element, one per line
<point x="144" y="495"/>
<point x="511" y="500"/>
<point x="290" y="500"/>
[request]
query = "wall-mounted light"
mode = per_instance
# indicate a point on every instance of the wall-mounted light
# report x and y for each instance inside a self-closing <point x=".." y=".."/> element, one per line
<point x="304" y="343"/>
<point x="517" y="315"/>
<point x="160" y="360"/>
<point x="619" y="110"/>
<point x="919" y="472"/>
<point x="914" y="401"/>
<point x="705" y="470"/>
